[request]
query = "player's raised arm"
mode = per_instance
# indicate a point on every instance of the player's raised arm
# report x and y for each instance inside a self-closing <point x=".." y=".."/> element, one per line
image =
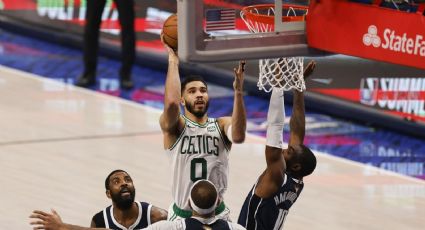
<point x="170" y="117"/>
<point x="273" y="176"/>
<point x="297" y="122"/>
<point x="235" y="127"/>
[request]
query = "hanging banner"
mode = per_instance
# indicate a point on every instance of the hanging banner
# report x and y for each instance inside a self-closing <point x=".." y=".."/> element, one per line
<point x="367" y="30"/>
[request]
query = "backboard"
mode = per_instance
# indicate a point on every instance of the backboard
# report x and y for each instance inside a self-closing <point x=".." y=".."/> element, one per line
<point x="213" y="31"/>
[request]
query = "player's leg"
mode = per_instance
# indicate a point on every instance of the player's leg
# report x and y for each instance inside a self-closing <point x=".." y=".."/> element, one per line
<point x="128" y="39"/>
<point x="91" y="36"/>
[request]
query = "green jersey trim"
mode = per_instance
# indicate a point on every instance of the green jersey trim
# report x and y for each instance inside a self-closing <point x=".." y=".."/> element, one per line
<point x="197" y="124"/>
<point x="221" y="135"/>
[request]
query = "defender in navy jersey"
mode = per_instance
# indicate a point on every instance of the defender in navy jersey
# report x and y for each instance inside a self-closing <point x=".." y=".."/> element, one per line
<point x="123" y="214"/>
<point x="106" y="219"/>
<point x="279" y="186"/>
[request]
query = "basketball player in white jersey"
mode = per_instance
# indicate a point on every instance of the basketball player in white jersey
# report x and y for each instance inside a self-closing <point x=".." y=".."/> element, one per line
<point x="197" y="145"/>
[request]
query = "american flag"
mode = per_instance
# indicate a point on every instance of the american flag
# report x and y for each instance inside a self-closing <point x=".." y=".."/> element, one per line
<point x="220" y="19"/>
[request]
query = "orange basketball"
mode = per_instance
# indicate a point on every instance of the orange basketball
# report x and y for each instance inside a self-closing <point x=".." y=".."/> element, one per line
<point x="169" y="30"/>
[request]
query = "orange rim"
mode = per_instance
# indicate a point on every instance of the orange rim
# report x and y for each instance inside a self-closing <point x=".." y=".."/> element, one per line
<point x="251" y="14"/>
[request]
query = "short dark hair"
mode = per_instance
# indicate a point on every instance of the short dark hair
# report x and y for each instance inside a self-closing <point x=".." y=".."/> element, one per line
<point x="307" y="160"/>
<point x="204" y="194"/>
<point x="191" y="78"/>
<point x="109" y="177"/>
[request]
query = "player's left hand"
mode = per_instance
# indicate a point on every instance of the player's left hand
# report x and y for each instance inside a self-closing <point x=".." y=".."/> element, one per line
<point x="46" y="221"/>
<point x="239" y="76"/>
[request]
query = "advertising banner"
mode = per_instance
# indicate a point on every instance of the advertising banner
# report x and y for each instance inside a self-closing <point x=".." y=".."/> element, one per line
<point x="368" y="30"/>
<point x="387" y="88"/>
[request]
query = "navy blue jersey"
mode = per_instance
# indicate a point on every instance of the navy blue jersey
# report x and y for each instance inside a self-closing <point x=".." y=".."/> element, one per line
<point x="269" y="213"/>
<point x="105" y="218"/>
<point x="194" y="224"/>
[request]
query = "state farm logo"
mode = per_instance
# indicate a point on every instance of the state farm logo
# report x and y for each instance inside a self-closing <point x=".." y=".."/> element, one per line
<point x="393" y="41"/>
<point x="371" y="38"/>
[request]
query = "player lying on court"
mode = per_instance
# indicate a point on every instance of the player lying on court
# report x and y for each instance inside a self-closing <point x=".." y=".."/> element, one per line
<point x="203" y="200"/>
<point x="197" y="144"/>
<point x="279" y="186"/>
<point x="124" y="213"/>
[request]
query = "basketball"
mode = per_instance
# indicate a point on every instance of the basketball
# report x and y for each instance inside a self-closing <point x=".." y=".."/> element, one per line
<point x="169" y="31"/>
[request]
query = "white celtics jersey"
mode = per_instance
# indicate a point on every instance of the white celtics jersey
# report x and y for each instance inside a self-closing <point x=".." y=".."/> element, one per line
<point x="200" y="152"/>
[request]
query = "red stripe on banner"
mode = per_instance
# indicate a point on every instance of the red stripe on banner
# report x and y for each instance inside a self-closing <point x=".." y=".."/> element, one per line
<point x="19" y="5"/>
<point x="348" y="94"/>
<point x="140" y="24"/>
<point x="368" y="31"/>
<point x="401" y="95"/>
<point x="156" y="45"/>
<point x="222" y="3"/>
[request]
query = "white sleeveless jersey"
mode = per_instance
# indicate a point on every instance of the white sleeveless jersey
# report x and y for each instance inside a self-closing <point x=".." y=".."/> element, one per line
<point x="200" y="152"/>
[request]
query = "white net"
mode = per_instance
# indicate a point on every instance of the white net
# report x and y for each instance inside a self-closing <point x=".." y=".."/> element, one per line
<point x="285" y="73"/>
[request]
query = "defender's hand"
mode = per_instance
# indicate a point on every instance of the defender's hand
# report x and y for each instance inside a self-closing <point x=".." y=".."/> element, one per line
<point x="239" y="76"/>
<point x="46" y="220"/>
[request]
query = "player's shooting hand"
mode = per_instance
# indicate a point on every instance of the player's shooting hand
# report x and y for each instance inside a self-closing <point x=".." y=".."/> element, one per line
<point x="172" y="55"/>
<point x="239" y="76"/>
<point x="309" y="69"/>
<point x="47" y="221"/>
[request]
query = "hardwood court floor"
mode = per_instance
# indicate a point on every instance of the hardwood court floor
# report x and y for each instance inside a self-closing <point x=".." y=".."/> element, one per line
<point x="59" y="142"/>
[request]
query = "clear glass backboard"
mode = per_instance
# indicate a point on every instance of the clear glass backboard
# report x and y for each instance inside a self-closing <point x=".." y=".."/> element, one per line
<point x="214" y="31"/>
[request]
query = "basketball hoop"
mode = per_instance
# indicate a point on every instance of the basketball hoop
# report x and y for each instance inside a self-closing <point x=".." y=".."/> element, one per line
<point x="284" y="73"/>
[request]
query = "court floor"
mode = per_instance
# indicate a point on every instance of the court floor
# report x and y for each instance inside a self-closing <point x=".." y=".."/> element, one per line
<point x="59" y="142"/>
